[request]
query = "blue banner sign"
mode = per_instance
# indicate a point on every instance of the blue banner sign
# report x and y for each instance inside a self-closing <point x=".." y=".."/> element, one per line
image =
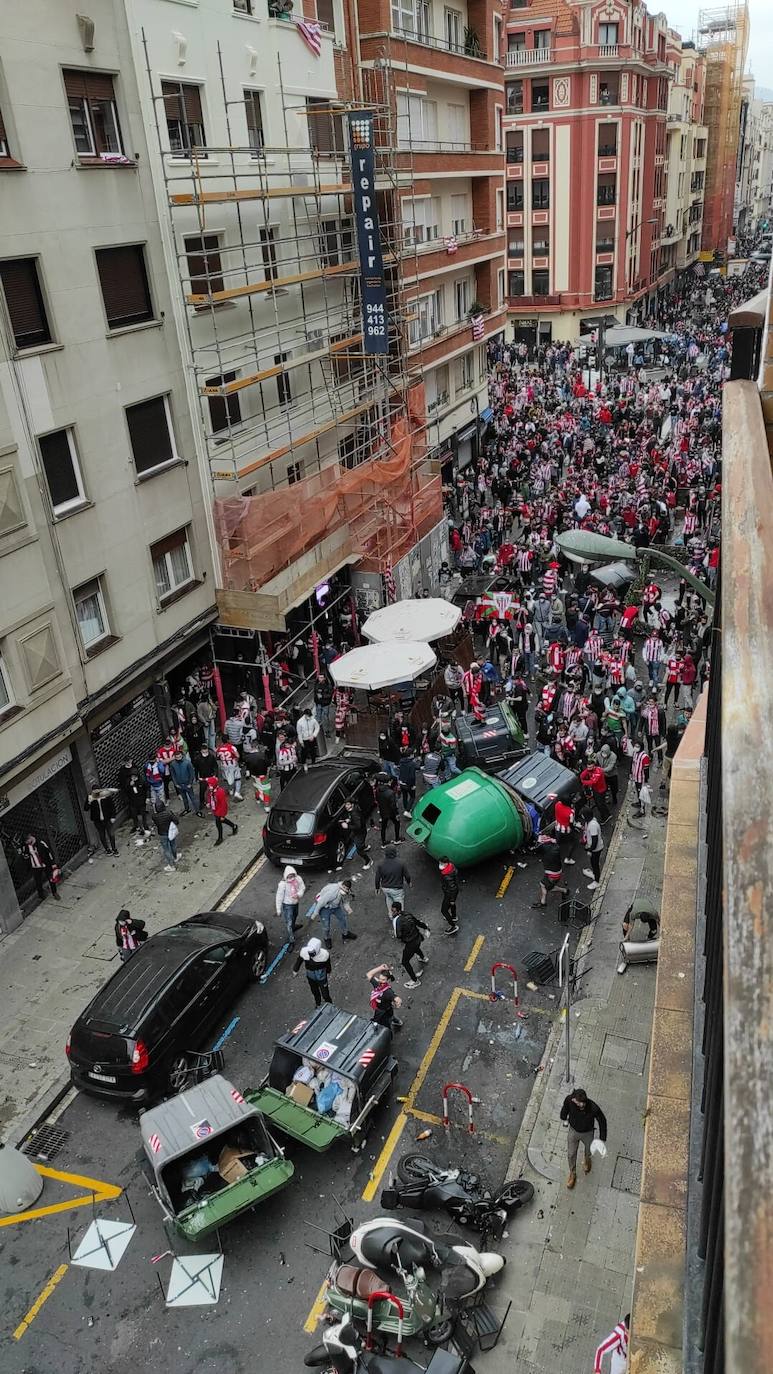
<point x="375" y="321"/>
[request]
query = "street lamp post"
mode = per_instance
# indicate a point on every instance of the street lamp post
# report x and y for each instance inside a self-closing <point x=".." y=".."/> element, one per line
<point x="585" y="546"/>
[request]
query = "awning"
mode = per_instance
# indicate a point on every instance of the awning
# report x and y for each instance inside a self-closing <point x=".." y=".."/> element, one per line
<point x="624" y="334"/>
<point x="462" y="435"/>
<point x="487" y="414"/>
<point x="382" y="665"/>
<point x="422" y="618"/>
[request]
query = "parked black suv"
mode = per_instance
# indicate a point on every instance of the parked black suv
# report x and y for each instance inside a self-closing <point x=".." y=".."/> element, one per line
<point x="132" y="1040"/>
<point x="302" y="825"/>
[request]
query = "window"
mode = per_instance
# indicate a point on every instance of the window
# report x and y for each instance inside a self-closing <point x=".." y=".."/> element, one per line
<point x="93" y="115"/>
<point x="204" y="266"/>
<point x="268" y="253"/>
<point x="515" y="247"/>
<point x="514" y="195"/>
<point x="501" y="286"/>
<point x="428" y="317"/>
<point x="326" y="14"/>
<point x="514" y="94"/>
<point x="253" y="106"/>
<point x="124" y="283"/>
<point x="421" y="219"/>
<point x="465" y="375"/>
<point x="515" y="146"/>
<point x="442" y="393"/>
<point x="294" y="472"/>
<point x="5" y="153"/>
<point x="243" y="6"/>
<point x="500" y="207"/>
<point x="184" y="118"/>
<point x="516" y="42"/>
<point x="499" y="139"/>
<point x="150" y="433"/>
<point x="607" y="35"/>
<point x="416" y="119"/>
<point x="607" y="140"/>
<point x="515" y="283"/>
<point x="540" y="282"/>
<point x="24" y="300"/>
<point x="540" y="95"/>
<point x="606" y="192"/>
<point x="540" y="193"/>
<point x="326" y="133"/>
<point x="411" y="16"/>
<point x="224" y="411"/>
<point x="460" y="208"/>
<point x="336" y="244"/>
<point x="91" y="613"/>
<point x="456" y="123"/>
<point x="171" y="563"/>
<point x="6" y="695"/>
<point x="603" y="283"/>
<point x="60" y="464"/>
<point x="453" y="29"/>
<point x="540" y="247"/>
<point x="283" y="389"/>
<point x="462" y="298"/>
<point x="540" y="145"/>
<point x="541" y="38"/>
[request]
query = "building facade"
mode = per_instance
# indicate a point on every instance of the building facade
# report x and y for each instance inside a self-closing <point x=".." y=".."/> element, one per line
<point x="105" y="559"/>
<point x="723" y="36"/>
<point x="687" y="138"/>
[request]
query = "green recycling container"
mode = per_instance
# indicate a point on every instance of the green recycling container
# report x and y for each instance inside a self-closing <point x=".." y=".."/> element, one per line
<point x="467" y="819"/>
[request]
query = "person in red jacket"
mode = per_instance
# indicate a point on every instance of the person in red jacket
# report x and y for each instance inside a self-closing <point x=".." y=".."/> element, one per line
<point x="217" y="801"/>
<point x="594" y="780"/>
<point x="687" y="678"/>
<point x="673" y="678"/>
<point x="563" y="823"/>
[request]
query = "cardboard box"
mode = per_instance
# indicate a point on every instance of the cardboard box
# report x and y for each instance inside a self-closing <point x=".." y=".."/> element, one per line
<point x="300" y="1093"/>
<point x="230" y="1166"/>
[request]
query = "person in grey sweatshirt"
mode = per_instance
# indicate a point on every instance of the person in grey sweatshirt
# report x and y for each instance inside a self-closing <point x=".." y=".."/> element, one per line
<point x="392" y="878"/>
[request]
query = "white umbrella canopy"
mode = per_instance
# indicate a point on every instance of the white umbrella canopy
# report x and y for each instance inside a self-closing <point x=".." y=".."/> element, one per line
<point x="382" y="665"/>
<point x="418" y="618"/>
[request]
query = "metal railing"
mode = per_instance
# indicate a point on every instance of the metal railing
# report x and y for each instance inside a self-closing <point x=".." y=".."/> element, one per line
<point x="428" y="40"/>
<point x="609" y="50"/>
<point x="529" y="57"/>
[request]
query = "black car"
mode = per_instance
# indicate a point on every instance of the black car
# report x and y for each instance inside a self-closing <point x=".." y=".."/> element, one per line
<point x="132" y="1041"/>
<point x="302" y="826"/>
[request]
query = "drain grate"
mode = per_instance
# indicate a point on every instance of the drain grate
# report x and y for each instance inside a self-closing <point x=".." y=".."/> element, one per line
<point x="45" y="1142"/>
<point x="627" y="1175"/>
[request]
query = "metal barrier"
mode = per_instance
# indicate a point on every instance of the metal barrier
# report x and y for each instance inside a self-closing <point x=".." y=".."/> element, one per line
<point x="460" y="1088"/>
<point x="395" y="1302"/>
<point x="494" y="995"/>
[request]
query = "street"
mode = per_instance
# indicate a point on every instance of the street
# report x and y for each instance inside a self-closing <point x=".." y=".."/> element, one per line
<point x="271" y="1278"/>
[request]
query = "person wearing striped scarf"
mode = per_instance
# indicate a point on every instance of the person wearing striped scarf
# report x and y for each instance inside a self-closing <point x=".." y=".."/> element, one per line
<point x="652" y="653"/>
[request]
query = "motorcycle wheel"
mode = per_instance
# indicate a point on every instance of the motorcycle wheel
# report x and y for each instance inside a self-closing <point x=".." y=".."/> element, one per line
<point x="416" y="1168"/>
<point x="441" y="1334"/>
<point x="515" y="1195"/>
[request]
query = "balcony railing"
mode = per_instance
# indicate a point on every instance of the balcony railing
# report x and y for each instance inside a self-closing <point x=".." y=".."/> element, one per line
<point x="608" y="150"/>
<point x="540" y="157"/>
<point x="515" y="155"/>
<point x="427" y="40"/>
<point x="529" y="57"/>
<point x="515" y="106"/>
<point x="554" y="299"/>
<point x="608" y="50"/>
<point x="605" y="245"/>
<point x="603" y="293"/>
<point x="606" y="195"/>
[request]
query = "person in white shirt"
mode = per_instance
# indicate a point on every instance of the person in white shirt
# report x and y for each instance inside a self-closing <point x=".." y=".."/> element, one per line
<point x="581" y="506"/>
<point x="307" y="731"/>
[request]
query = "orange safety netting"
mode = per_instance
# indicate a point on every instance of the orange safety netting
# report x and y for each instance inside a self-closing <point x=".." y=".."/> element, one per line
<point x="387" y="503"/>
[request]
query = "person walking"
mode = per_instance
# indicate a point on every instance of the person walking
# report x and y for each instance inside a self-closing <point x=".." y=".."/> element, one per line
<point x="100" y="805"/>
<point x="392" y="878"/>
<point x="134" y="789"/>
<point x="129" y="934"/>
<point x="217" y="801"/>
<point x="286" y="759"/>
<point x="406" y="774"/>
<point x="386" y="802"/>
<point x="564" y="825"/>
<point x="323" y="696"/>
<point x="410" y="931"/>
<point x="308" y="732"/>
<point x="383" y="999"/>
<point x="333" y="902"/>
<point x="351" y="824"/>
<point x="183" y="777"/>
<point x="227" y="756"/>
<point x="290" y="889"/>
<point x="549" y="852"/>
<point x="449" y="886"/>
<point x="166" y="828"/>
<point x="204" y="764"/>
<point x="42" y="865"/>
<point x="582" y="1116"/>
<point x="316" y="964"/>
<point x="593" y="842"/>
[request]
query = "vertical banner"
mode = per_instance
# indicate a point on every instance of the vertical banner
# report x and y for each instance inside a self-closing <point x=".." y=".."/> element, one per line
<point x="375" y="322"/>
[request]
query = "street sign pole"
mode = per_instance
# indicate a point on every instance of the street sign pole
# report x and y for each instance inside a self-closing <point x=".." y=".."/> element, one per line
<point x="564" y="969"/>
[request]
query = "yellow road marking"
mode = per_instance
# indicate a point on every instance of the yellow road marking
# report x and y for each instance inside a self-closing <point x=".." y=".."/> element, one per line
<point x="433" y="1120"/>
<point x="505" y="883"/>
<point x="240" y="886"/>
<point x="310" y="1324"/>
<point x="42" y="1297"/>
<point x="474" y="952"/>
<point x="379" y="1168"/>
<point x="97" y="1192"/>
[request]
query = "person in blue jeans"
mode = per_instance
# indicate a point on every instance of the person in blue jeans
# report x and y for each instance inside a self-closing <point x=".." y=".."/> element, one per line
<point x="183" y="777"/>
<point x="288" y="894"/>
<point x="332" y="903"/>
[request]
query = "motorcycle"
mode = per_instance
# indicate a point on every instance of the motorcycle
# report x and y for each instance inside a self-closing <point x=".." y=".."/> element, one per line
<point x="426" y="1185"/>
<point x="406" y="1248"/>
<point x="342" y="1352"/>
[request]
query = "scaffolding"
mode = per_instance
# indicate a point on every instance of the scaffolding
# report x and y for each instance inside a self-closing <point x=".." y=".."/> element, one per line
<point x="321" y="443"/>
<point x="723" y="35"/>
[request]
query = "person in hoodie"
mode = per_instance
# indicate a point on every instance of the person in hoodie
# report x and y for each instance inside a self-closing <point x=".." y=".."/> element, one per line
<point x="449" y="886"/>
<point x="606" y="758"/>
<point x="315" y="962"/>
<point x="392" y="878"/>
<point x="217" y="801"/>
<point x="290" y="889"/>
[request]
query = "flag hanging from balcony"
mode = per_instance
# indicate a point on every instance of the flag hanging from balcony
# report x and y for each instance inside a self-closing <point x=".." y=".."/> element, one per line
<point x="478" y="326"/>
<point x="452" y="245"/>
<point x="389" y="585"/>
<point x="310" y="30"/>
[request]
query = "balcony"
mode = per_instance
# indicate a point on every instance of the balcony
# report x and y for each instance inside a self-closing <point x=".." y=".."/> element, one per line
<point x="514" y="155"/>
<point x="607" y="50"/>
<point x="529" y="57"/>
<point x="531" y="301"/>
<point x="471" y="48"/>
<point x="606" y="195"/>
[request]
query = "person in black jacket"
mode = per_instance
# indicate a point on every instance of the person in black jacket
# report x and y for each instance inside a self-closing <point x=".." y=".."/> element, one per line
<point x="101" y="808"/>
<point x="449" y="886"/>
<point x="582" y="1116"/>
<point x="406" y="772"/>
<point x="129" y="934"/>
<point x="41" y="865"/>
<point x="315" y="961"/>
<point x="205" y="765"/>
<point x="351" y="824"/>
<point x="386" y="802"/>
<point x="134" y="788"/>
<point x="410" y="931"/>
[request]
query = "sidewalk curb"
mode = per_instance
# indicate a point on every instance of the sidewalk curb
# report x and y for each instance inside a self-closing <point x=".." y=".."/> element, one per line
<point x="519" y="1160"/>
<point x="61" y="1085"/>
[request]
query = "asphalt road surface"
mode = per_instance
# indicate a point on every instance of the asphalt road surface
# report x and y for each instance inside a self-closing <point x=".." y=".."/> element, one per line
<point x="91" y="1320"/>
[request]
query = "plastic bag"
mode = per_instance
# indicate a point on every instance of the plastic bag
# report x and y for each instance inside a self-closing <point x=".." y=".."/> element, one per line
<point x="597" y="1147"/>
<point x="173" y="830"/>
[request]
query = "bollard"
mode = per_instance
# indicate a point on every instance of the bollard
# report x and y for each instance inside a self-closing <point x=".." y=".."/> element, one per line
<point x="494" y="995"/>
<point x="459" y="1087"/>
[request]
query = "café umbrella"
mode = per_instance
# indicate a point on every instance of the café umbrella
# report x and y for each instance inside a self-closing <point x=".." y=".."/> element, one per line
<point x="382" y="665"/>
<point x="418" y="618"/>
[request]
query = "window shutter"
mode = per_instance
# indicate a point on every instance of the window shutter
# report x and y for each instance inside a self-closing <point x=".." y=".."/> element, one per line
<point x="89" y="85"/>
<point x="203" y="253"/>
<point x="149" y="434"/>
<point x="192" y="101"/>
<point x="124" y="284"/>
<point x="172" y="103"/>
<point x="19" y="277"/>
<point x="171" y="541"/>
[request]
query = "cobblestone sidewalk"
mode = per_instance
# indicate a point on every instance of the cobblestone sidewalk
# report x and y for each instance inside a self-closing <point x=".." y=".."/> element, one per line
<point x="570" y="1255"/>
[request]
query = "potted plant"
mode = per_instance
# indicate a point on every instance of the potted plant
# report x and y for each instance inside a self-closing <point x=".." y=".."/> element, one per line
<point x="472" y="43"/>
<point x="477" y="308"/>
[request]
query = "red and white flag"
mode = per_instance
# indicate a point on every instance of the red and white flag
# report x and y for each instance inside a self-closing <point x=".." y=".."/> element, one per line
<point x="389" y="585"/>
<point x="478" y="327"/>
<point x="310" y="32"/>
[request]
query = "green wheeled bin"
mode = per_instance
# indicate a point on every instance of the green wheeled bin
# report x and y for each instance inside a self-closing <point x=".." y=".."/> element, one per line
<point x="467" y="819"/>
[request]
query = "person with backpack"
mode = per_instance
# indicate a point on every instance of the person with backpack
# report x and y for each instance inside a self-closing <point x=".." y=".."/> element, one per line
<point x="410" y="931"/>
<point x="315" y="962"/>
<point x="383" y="999"/>
<point x="449" y="886"/>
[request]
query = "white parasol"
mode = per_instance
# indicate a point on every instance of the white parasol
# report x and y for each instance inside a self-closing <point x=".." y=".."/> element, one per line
<point x="382" y="665"/>
<point x="418" y="618"/>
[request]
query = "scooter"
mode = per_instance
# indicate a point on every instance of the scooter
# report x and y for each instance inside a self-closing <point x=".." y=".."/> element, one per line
<point x="343" y="1352"/>
<point x="427" y="1186"/>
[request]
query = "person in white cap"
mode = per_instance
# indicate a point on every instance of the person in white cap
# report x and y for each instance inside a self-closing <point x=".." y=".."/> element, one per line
<point x="315" y="961"/>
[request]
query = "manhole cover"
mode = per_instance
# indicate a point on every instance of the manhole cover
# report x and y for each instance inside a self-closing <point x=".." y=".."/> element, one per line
<point x="45" y="1142"/>
<point x="627" y="1175"/>
<point x="621" y="1053"/>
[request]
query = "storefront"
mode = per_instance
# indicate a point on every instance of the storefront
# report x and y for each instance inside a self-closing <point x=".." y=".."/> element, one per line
<point x="466" y="445"/>
<point x="48" y="804"/>
<point x="134" y="731"/>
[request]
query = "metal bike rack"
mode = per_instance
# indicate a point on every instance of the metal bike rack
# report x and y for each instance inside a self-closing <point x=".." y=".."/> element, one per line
<point x="465" y="1091"/>
<point x="494" y="995"/>
<point x="395" y="1302"/>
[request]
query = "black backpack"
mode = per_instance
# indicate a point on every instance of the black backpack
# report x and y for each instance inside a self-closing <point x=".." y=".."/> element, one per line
<point x="407" y="929"/>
